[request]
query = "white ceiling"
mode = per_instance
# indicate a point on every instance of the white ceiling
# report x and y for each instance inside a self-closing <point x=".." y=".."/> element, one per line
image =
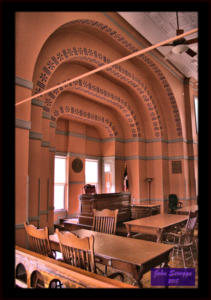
<point x="160" y="26"/>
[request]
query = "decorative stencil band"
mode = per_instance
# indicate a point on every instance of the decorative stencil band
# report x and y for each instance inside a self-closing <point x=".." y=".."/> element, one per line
<point x="46" y="115"/>
<point x="53" y="124"/>
<point x="161" y="157"/>
<point x="22" y="124"/>
<point x="35" y="135"/>
<point x="55" y="60"/>
<point x="23" y="82"/>
<point x="45" y="144"/>
<point x="132" y="157"/>
<point x="117" y="71"/>
<point x="34" y="218"/>
<point x="61" y="153"/>
<point x="52" y="149"/>
<point x="19" y="226"/>
<point x="124" y="141"/>
<point x="81" y="114"/>
<point x="37" y="102"/>
<point x="117" y="102"/>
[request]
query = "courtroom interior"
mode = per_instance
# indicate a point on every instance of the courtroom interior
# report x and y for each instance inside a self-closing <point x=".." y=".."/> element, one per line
<point x="119" y="145"/>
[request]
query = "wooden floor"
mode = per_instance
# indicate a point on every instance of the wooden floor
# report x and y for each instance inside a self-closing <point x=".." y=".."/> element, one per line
<point x="146" y="280"/>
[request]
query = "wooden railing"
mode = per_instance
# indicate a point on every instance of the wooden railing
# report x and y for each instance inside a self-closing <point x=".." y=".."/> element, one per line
<point x="34" y="270"/>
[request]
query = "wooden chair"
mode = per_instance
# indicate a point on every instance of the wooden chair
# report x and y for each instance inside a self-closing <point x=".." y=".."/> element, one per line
<point x="105" y="220"/>
<point x="78" y="252"/>
<point x="39" y="240"/>
<point x="183" y="241"/>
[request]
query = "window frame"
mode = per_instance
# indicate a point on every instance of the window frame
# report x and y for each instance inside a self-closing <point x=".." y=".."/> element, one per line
<point x="61" y="184"/>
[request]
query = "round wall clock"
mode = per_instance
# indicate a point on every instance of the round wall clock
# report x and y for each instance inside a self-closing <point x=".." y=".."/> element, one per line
<point x="77" y="165"/>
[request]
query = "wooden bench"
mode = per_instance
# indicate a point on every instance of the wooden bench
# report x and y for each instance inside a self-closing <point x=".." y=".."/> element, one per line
<point x="52" y="271"/>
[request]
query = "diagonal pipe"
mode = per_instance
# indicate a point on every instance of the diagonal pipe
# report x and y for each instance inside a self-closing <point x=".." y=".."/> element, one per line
<point x="145" y="50"/>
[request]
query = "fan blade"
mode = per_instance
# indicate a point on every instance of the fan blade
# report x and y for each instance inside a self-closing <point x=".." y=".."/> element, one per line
<point x="191" y="52"/>
<point x="167" y="45"/>
<point x="192" y="41"/>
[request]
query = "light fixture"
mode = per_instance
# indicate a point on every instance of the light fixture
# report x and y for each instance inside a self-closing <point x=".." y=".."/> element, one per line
<point x="179" y="49"/>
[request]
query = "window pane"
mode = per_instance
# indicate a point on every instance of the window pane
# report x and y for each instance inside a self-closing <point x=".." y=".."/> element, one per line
<point x="58" y="196"/>
<point x="91" y="171"/>
<point x="60" y="170"/>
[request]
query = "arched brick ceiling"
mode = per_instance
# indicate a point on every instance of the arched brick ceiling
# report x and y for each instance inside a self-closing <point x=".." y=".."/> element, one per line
<point x="99" y="90"/>
<point x="99" y="131"/>
<point x="75" y="107"/>
<point x="51" y="57"/>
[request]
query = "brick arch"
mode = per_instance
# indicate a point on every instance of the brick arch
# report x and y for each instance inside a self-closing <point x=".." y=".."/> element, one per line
<point x="59" y="57"/>
<point x="121" y="40"/>
<point x="168" y="90"/>
<point x="118" y="72"/>
<point x="82" y="114"/>
<point x="92" y="90"/>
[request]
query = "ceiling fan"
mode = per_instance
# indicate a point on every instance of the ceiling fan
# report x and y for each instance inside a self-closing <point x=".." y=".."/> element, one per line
<point x="181" y="45"/>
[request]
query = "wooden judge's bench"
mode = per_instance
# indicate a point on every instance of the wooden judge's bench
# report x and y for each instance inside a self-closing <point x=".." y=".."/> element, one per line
<point x="120" y="201"/>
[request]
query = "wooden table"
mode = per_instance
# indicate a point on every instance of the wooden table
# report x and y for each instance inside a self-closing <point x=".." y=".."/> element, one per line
<point x="154" y="225"/>
<point x="133" y="256"/>
<point x="186" y="209"/>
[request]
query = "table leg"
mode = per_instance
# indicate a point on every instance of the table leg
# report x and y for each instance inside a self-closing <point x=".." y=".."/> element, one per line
<point x="166" y="261"/>
<point x="159" y="234"/>
<point x="137" y="273"/>
<point x="128" y="230"/>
